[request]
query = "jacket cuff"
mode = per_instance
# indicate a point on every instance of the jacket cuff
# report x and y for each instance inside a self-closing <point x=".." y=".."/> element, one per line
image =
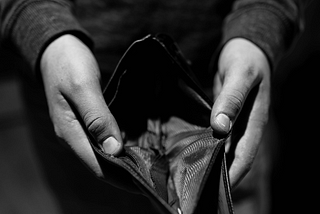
<point x="35" y="25"/>
<point x="263" y="25"/>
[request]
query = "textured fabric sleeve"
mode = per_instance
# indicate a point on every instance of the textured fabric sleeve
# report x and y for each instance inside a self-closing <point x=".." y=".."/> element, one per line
<point x="271" y="24"/>
<point x="30" y="25"/>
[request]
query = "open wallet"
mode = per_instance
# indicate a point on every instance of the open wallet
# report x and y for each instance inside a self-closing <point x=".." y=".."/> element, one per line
<point x="171" y="154"/>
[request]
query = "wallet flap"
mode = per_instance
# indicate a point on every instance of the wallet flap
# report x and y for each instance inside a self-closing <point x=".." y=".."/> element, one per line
<point x="155" y="65"/>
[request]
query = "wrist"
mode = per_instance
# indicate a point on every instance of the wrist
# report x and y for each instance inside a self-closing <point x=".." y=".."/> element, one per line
<point x="62" y="49"/>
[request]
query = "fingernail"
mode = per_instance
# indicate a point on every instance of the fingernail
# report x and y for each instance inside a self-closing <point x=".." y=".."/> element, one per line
<point x="223" y="122"/>
<point x="111" y="145"/>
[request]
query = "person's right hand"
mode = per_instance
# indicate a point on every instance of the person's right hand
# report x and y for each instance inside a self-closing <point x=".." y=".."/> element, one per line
<point x="77" y="108"/>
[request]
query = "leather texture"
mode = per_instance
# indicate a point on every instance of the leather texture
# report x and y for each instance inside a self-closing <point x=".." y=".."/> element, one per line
<point x="170" y="152"/>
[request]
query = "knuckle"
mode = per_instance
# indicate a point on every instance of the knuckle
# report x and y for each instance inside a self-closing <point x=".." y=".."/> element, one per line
<point x="78" y="85"/>
<point x="251" y="73"/>
<point x="235" y="100"/>
<point x="82" y="83"/>
<point x="96" y="125"/>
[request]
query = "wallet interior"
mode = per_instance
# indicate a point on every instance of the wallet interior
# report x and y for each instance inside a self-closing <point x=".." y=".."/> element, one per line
<point x="164" y="124"/>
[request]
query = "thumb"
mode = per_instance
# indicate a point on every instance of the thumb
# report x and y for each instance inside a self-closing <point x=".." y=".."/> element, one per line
<point x="99" y="121"/>
<point x="229" y="102"/>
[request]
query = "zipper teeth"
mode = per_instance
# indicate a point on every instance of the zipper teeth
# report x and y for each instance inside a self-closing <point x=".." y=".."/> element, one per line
<point x="209" y="167"/>
<point x="133" y="159"/>
<point x="196" y="167"/>
<point x="204" y="134"/>
<point x="132" y="165"/>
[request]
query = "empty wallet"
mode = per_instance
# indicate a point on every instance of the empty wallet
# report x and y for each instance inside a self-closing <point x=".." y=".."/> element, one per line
<point x="171" y="154"/>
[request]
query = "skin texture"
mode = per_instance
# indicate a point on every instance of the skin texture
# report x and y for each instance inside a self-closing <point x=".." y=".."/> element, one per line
<point x="242" y="99"/>
<point x="77" y="108"/>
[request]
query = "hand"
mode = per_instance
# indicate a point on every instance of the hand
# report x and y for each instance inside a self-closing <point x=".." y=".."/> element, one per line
<point x="242" y="99"/>
<point x="77" y="108"/>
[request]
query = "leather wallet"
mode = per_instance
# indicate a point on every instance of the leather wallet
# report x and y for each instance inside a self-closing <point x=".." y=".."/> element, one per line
<point x="170" y="153"/>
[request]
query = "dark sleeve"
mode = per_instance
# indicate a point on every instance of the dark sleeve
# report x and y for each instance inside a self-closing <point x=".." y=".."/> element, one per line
<point x="30" y="25"/>
<point x="270" y="24"/>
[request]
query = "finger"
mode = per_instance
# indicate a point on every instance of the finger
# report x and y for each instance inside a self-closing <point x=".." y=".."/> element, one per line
<point x="69" y="130"/>
<point x="256" y="111"/>
<point x="228" y="104"/>
<point x="97" y="118"/>
<point x="244" y="155"/>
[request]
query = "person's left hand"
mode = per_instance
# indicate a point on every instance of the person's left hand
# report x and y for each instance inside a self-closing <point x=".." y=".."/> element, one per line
<point x="242" y="99"/>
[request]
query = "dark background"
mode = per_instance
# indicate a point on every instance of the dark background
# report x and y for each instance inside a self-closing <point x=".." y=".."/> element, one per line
<point x="295" y="106"/>
<point x="293" y="130"/>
